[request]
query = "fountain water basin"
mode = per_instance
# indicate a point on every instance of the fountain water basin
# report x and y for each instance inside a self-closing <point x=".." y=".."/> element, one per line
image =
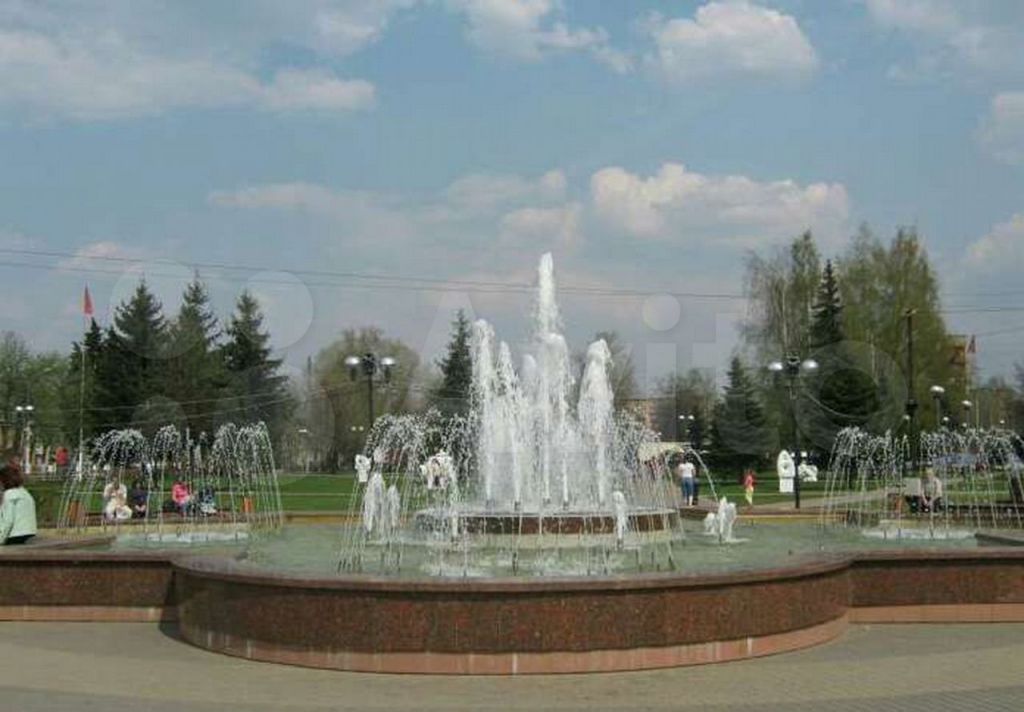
<point x="541" y="462"/>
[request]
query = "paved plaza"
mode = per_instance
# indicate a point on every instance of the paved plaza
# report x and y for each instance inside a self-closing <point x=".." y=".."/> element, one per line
<point x="60" y="667"/>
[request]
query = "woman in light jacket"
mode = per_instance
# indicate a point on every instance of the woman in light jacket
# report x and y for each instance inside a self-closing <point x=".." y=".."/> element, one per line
<point x="18" y="510"/>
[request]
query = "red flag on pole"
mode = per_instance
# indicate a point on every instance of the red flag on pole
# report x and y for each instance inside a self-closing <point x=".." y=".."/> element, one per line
<point x="87" y="303"/>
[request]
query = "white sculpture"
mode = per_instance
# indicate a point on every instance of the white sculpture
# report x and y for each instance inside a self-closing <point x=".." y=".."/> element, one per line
<point x="115" y="498"/>
<point x="808" y="473"/>
<point x="786" y="470"/>
<point x="720" y="523"/>
<point x="363" y="468"/>
<point x="373" y="502"/>
<point x="621" y="518"/>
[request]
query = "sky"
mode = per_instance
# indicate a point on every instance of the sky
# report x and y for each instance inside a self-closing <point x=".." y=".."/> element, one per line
<point x="387" y="162"/>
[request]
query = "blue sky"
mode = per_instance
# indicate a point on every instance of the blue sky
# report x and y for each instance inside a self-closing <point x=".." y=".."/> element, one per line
<point x="649" y="145"/>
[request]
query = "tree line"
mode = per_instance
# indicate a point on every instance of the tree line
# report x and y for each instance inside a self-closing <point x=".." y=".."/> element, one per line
<point x="849" y="315"/>
<point x="846" y="311"/>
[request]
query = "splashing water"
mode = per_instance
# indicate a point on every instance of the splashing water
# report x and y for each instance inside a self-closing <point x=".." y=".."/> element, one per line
<point x="966" y="480"/>
<point x="529" y="481"/>
<point x="173" y="489"/>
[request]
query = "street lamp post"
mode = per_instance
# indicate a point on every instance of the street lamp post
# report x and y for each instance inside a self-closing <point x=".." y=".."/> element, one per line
<point x="967" y="405"/>
<point x="369" y="364"/>
<point x="685" y="427"/>
<point x="937" y="393"/>
<point x="23" y="417"/>
<point x="792" y="367"/>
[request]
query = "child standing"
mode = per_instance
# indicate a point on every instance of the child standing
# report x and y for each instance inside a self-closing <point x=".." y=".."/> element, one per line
<point x="748" y="486"/>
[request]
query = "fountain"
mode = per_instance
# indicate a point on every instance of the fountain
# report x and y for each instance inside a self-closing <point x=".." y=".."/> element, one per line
<point x="971" y="481"/>
<point x="538" y="533"/>
<point x="230" y="484"/>
<point x="541" y="477"/>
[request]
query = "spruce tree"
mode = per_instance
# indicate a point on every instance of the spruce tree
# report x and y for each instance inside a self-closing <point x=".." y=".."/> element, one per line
<point x="255" y="388"/>
<point x="843" y="392"/>
<point x="826" y="323"/>
<point x="195" y="375"/>
<point x="131" y="369"/>
<point x="741" y="436"/>
<point x="452" y="396"/>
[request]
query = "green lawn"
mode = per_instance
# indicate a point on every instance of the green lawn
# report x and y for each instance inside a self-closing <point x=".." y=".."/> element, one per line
<point x="316" y="492"/>
<point x="333" y="492"/>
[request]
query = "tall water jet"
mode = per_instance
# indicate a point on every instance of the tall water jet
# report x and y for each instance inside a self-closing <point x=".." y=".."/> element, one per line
<point x="595" y="411"/>
<point x="535" y="479"/>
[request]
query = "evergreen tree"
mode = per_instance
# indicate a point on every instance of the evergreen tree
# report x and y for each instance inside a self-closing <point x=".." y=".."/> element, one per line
<point x="81" y="396"/>
<point x="740" y="433"/>
<point x="842" y="392"/>
<point x="255" y="388"/>
<point x="194" y="373"/>
<point x="826" y="324"/>
<point x="131" y="369"/>
<point x="452" y="396"/>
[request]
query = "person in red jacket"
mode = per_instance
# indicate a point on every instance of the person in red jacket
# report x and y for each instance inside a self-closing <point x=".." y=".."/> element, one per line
<point x="748" y="486"/>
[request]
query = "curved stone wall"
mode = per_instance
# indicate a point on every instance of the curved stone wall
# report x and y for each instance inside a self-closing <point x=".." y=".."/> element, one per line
<point x="511" y="626"/>
<point x="508" y="626"/>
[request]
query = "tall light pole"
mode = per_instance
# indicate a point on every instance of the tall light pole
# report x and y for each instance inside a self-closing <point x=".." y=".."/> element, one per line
<point x="937" y="393"/>
<point x="684" y="427"/>
<point x="369" y="364"/>
<point x="967" y="405"/>
<point x="792" y="367"/>
<point x="911" y="405"/>
<point x="23" y="417"/>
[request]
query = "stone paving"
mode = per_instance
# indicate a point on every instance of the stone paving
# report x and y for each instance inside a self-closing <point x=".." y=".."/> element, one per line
<point x="65" y="667"/>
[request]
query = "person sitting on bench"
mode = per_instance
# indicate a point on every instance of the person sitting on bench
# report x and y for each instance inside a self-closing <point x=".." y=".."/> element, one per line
<point x="138" y="498"/>
<point x="115" y="501"/>
<point x="913" y="494"/>
<point x="182" y="497"/>
<point x="18" y="511"/>
<point x="207" y="501"/>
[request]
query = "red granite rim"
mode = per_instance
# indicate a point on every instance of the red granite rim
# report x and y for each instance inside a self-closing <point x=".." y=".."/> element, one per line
<point x="229" y="569"/>
<point x="525" y="663"/>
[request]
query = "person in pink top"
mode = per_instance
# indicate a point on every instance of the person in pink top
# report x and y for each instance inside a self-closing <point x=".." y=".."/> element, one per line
<point x="181" y="496"/>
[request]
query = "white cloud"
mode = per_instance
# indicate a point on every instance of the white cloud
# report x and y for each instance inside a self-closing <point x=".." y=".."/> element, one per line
<point x="342" y="28"/>
<point x="525" y="30"/>
<point x="475" y="196"/>
<point x="485" y="191"/>
<point x="316" y="90"/>
<point x="982" y="37"/>
<point x="372" y="217"/>
<point x="105" y="254"/>
<point x="676" y="201"/>
<point x="1002" y="248"/>
<point x="92" y="63"/>
<point x="731" y="38"/>
<point x="561" y="224"/>
<point x="506" y="207"/>
<point x="1002" y="131"/>
<point x="516" y="210"/>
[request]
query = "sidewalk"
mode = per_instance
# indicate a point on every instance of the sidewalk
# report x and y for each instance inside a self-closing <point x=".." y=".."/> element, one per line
<point x="133" y="667"/>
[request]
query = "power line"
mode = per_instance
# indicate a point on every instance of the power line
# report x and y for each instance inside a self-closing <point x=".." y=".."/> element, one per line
<point x="392" y="281"/>
<point x="405" y="283"/>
